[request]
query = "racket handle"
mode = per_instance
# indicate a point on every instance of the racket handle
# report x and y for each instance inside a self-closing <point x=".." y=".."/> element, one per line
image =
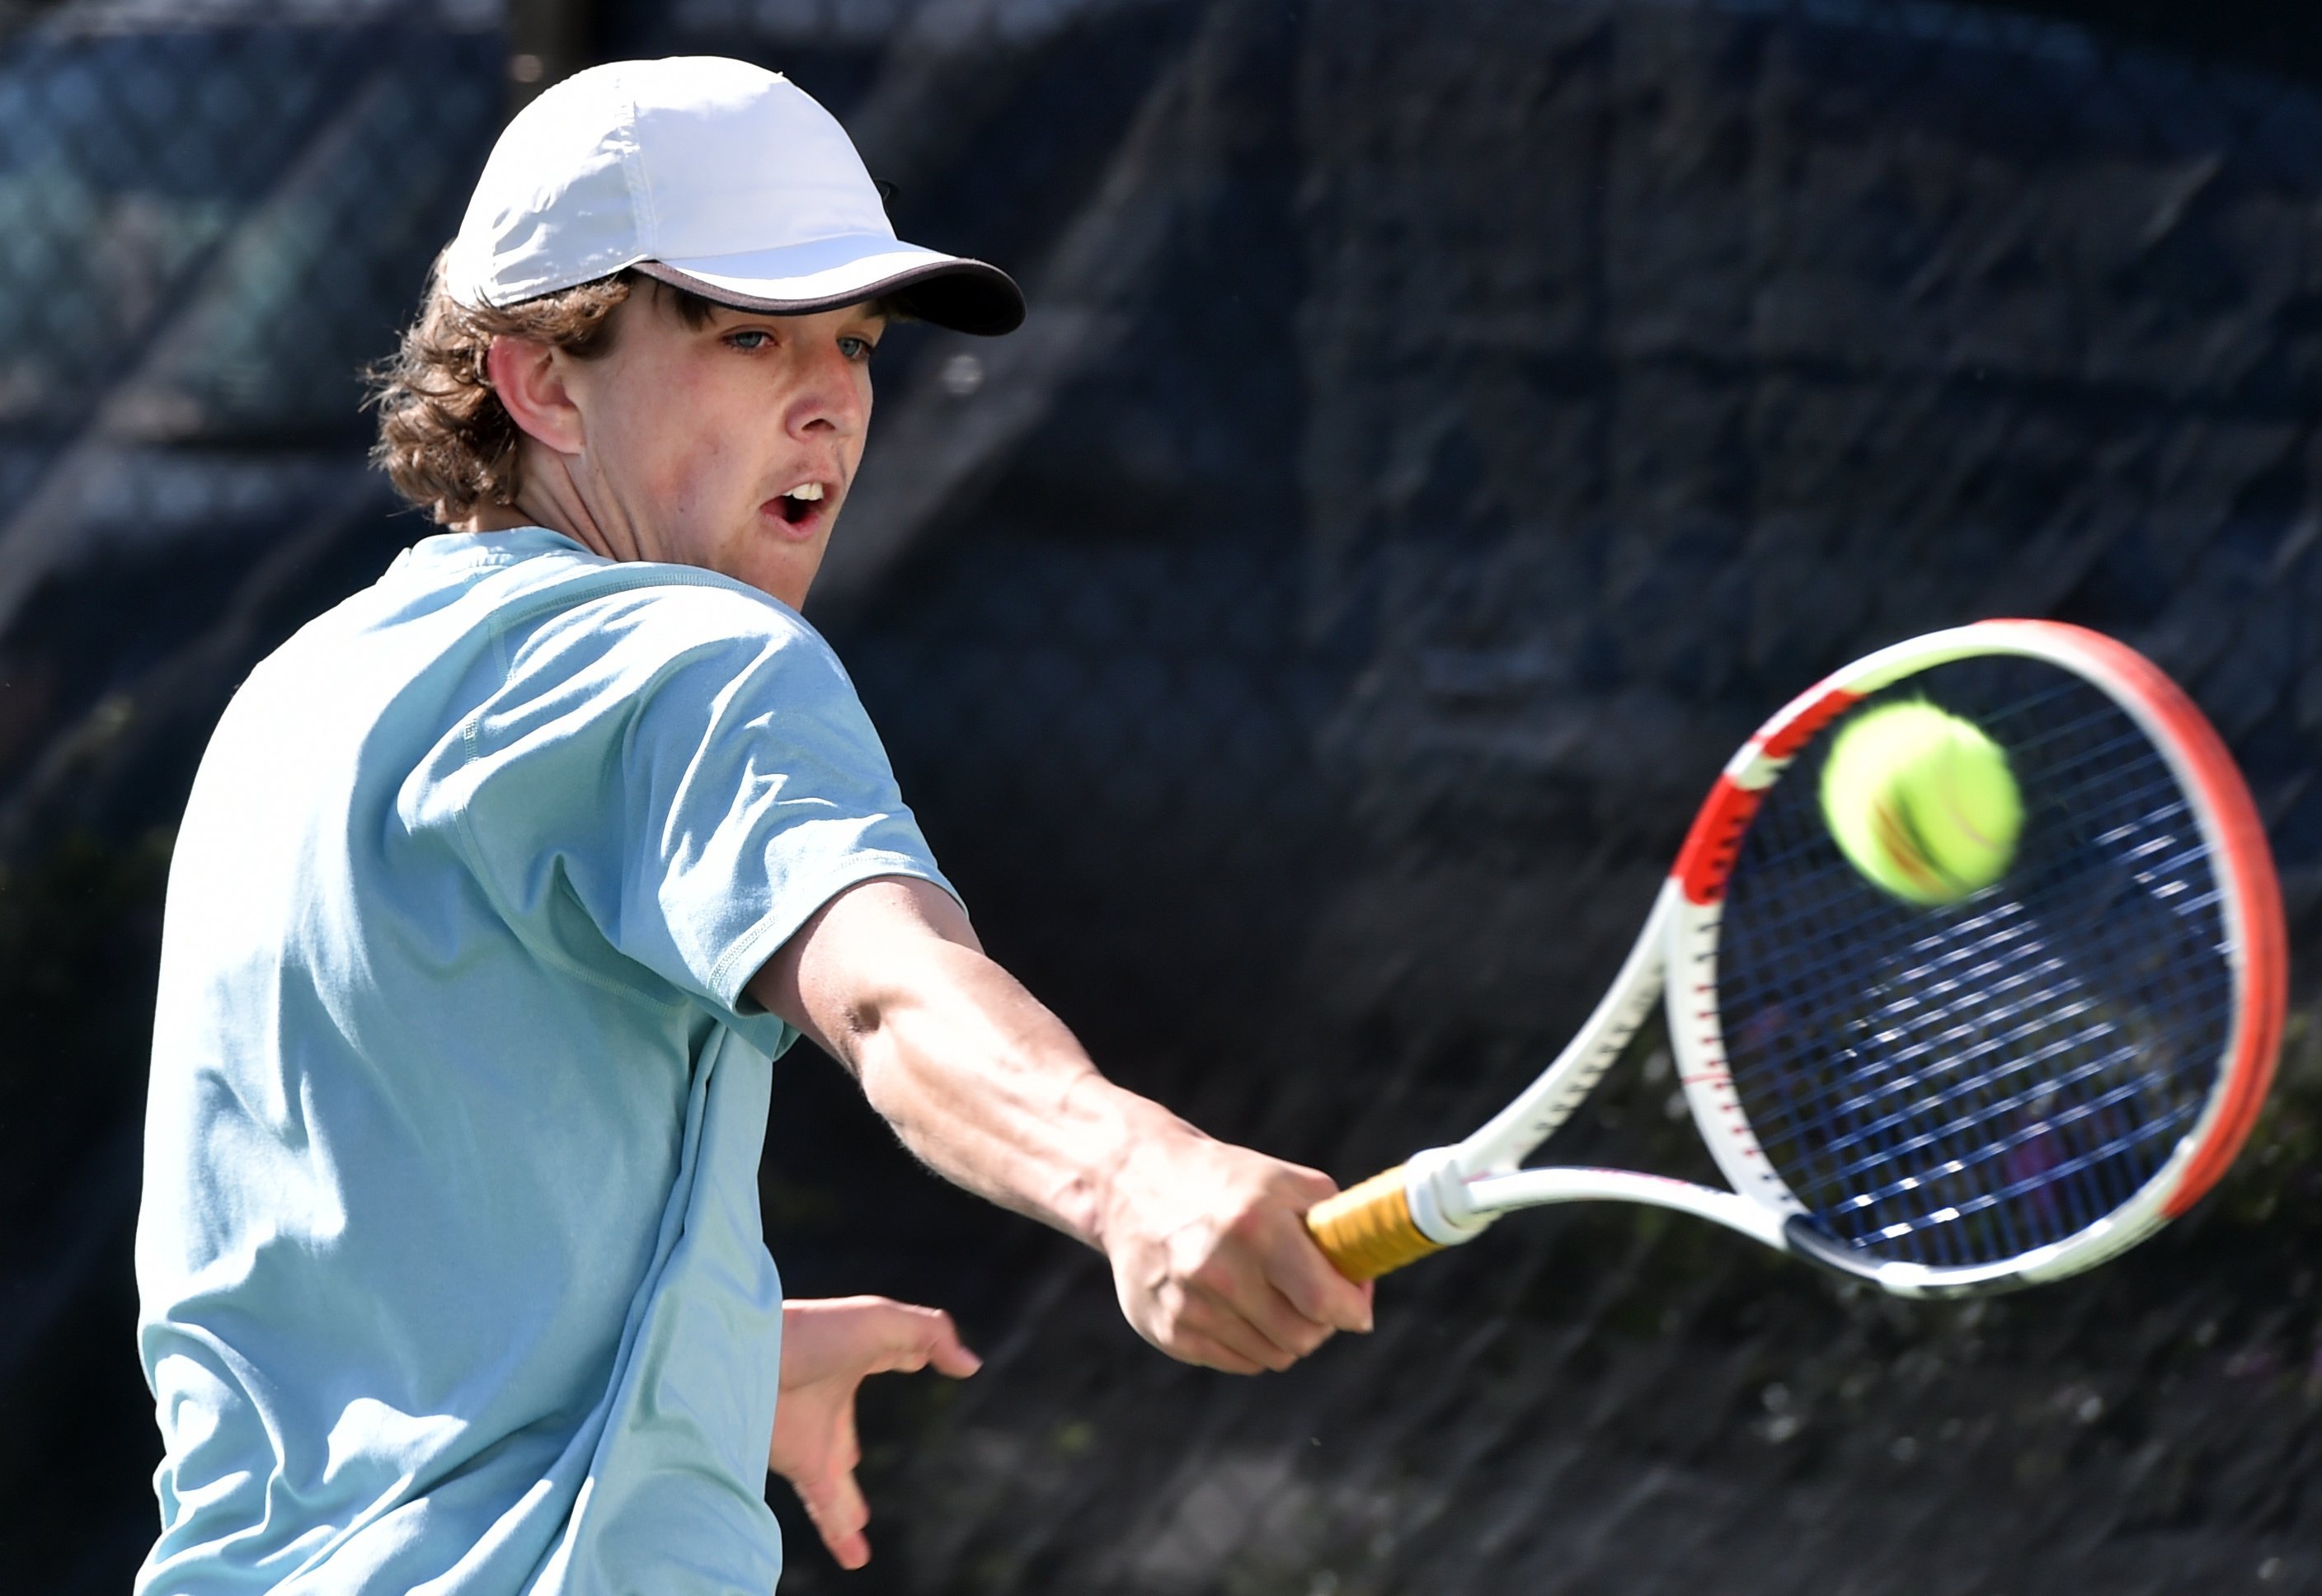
<point x="1367" y="1230"/>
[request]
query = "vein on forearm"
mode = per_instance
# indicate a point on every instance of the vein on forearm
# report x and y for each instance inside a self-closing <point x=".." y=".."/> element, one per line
<point x="989" y="1089"/>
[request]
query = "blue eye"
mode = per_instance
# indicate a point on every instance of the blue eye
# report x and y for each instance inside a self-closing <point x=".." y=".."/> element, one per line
<point x="857" y="350"/>
<point x="750" y="338"/>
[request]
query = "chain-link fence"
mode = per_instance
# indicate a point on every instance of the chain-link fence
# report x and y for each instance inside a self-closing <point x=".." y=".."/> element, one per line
<point x="1442" y="433"/>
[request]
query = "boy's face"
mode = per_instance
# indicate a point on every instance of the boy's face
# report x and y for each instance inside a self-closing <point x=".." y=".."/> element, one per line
<point x="699" y="441"/>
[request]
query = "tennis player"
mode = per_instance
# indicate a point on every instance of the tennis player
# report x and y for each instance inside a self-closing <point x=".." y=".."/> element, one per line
<point x="503" y="884"/>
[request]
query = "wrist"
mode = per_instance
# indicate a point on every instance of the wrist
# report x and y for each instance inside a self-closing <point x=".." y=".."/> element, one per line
<point x="1143" y="1145"/>
<point x="1106" y="1129"/>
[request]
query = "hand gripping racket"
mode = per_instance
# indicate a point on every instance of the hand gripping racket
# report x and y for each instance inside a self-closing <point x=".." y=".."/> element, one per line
<point x="1967" y="1099"/>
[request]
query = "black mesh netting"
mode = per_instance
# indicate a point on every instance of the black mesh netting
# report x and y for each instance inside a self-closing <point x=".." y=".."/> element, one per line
<point x="1444" y="431"/>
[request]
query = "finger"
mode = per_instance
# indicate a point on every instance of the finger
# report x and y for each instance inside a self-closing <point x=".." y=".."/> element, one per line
<point x="1204" y="1315"/>
<point x="834" y="1503"/>
<point x="1189" y="1328"/>
<point x="935" y="1340"/>
<point x="1239" y="1278"/>
<point x="913" y="1337"/>
<point x="862" y="1335"/>
<point x="1235" y="1286"/>
<point x="1297" y="1267"/>
<point x="1205" y="1352"/>
<point x="953" y="1358"/>
<point x="1305" y="1187"/>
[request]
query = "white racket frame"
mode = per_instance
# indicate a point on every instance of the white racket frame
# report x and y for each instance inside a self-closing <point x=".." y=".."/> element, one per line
<point x="1453" y="1192"/>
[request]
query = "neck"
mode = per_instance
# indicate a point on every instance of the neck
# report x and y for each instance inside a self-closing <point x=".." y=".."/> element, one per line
<point x="549" y="497"/>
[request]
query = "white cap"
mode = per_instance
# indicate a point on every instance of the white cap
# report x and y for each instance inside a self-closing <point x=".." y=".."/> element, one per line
<point x="714" y="176"/>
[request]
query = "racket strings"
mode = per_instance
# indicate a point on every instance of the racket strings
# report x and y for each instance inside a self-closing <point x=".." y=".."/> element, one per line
<point x="1966" y="1048"/>
<point x="1962" y="1085"/>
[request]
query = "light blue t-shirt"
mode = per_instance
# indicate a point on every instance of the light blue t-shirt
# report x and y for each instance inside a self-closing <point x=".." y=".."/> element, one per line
<point x="450" y="1254"/>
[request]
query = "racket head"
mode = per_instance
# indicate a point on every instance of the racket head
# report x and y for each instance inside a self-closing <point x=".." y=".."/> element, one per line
<point x="2017" y="1086"/>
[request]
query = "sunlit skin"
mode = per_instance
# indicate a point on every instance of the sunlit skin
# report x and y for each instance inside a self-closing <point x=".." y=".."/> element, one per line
<point x="827" y="1348"/>
<point x="677" y="445"/>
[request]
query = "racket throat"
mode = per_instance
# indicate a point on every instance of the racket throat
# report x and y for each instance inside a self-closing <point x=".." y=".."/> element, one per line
<point x="1436" y="1185"/>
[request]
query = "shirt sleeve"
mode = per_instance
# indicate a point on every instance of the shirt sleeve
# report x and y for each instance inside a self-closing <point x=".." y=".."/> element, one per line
<point x="678" y="778"/>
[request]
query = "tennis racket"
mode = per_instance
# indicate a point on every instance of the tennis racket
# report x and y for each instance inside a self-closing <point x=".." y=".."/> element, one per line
<point x="1943" y="1101"/>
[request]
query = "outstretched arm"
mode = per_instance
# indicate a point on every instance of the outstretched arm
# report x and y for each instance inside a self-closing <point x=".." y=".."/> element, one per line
<point x="1209" y="1253"/>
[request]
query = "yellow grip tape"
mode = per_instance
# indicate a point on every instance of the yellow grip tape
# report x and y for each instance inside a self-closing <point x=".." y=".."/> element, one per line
<point x="1366" y="1229"/>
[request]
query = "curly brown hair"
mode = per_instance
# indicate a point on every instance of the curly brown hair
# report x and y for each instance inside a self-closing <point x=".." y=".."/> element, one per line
<point x="444" y="440"/>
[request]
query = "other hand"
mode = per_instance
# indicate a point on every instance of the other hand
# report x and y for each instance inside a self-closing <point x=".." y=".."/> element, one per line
<point x="828" y="1346"/>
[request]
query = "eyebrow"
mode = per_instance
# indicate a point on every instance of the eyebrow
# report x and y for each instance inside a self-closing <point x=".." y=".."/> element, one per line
<point x="737" y="313"/>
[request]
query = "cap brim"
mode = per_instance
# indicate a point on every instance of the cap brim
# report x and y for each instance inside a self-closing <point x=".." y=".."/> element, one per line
<point x="948" y="290"/>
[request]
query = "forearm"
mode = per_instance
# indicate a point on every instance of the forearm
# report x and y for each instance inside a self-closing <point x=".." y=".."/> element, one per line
<point x="978" y="1078"/>
<point x="1207" y="1241"/>
<point x="991" y="1089"/>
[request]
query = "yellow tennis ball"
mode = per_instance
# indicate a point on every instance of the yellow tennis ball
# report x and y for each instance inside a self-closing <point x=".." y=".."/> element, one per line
<point x="1922" y="802"/>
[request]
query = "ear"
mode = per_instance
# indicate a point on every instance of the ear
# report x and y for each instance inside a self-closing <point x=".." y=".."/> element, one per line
<point x="528" y="377"/>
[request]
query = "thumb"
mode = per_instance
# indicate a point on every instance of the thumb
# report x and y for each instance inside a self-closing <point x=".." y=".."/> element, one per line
<point x="835" y="1505"/>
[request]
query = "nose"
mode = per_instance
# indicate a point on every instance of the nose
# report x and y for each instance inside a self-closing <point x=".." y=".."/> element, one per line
<point x="832" y="395"/>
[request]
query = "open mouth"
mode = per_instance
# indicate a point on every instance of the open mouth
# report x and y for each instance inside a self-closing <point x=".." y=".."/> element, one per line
<point x="799" y="503"/>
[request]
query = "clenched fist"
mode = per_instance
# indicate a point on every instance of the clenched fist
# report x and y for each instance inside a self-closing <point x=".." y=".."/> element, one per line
<point x="1211" y="1258"/>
